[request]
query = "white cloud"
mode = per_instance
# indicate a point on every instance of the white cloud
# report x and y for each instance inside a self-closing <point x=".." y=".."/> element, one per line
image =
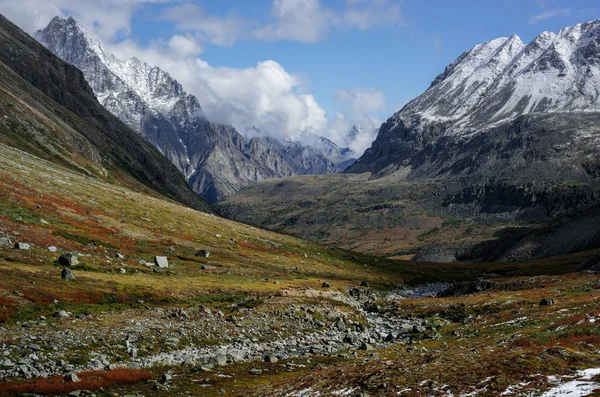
<point x="184" y="46"/>
<point x="223" y="31"/>
<point x="298" y="20"/>
<point x="547" y="14"/>
<point x="265" y="97"/>
<point x="308" y="21"/>
<point x="108" y="17"/>
<point x="361" y="101"/>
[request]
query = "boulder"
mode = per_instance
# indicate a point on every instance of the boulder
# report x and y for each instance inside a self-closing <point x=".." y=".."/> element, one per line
<point x="340" y="325"/>
<point x="219" y="359"/>
<point x="161" y="261"/>
<point x="52" y="249"/>
<point x="68" y="259"/>
<point x="67" y="274"/>
<point x="22" y="246"/>
<point x="208" y="267"/>
<point x="365" y="346"/>
<point x="5" y="242"/>
<point x="547" y="302"/>
<point x="71" y="378"/>
<point x="325" y="285"/>
<point x="270" y="358"/>
<point x="203" y="253"/>
<point x="61" y="314"/>
<point x="350" y="338"/>
<point x="364" y="284"/>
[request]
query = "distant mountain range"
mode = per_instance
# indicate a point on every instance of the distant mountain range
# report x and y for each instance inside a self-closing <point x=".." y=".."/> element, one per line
<point x="215" y="159"/>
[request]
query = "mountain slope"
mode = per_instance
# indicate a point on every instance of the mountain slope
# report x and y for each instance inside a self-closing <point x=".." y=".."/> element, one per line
<point x="496" y="86"/>
<point x="49" y="109"/>
<point x="502" y="148"/>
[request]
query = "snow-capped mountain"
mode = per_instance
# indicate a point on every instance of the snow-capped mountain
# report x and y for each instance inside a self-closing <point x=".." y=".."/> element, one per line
<point x="215" y="159"/>
<point x="501" y="110"/>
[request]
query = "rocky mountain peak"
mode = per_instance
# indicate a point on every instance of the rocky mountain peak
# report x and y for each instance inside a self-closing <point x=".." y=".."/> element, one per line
<point x="215" y="159"/>
<point x="487" y="88"/>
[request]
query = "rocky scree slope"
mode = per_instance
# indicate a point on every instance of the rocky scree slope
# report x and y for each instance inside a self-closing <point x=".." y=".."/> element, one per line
<point x="50" y="110"/>
<point x="215" y="159"/>
<point x="503" y="114"/>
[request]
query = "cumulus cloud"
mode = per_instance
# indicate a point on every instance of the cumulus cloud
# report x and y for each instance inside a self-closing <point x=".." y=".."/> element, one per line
<point x="308" y="21"/>
<point x="299" y="20"/>
<point x="108" y="17"/>
<point x="361" y="101"/>
<point x="223" y="31"/>
<point x="264" y="97"/>
<point x="547" y="14"/>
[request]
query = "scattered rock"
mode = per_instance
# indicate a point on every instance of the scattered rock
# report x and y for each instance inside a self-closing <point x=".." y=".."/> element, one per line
<point x="255" y="371"/>
<point x="5" y="242"/>
<point x="67" y="274"/>
<point x="203" y="253"/>
<point x="340" y="325"/>
<point x="166" y="377"/>
<point x="547" y="302"/>
<point x="219" y="359"/>
<point x="270" y="358"/>
<point x="52" y="248"/>
<point x="208" y="267"/>
<point x="325" y="285"/>
<point x="22" y="246"/>
<point x="61" y="314"/>
<point x="68" y="259"/>
<point x="119" y="255"/>
<point x="365" y="346"/>
<point x="161" y="261"/>
<point x="350" y="338"/>
<point x="71" y="378"/>
<point x="123" y="271"/>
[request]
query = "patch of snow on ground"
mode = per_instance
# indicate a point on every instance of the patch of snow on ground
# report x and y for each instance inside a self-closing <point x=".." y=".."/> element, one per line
<point x="305" y="393"/>
<point x="578" y="385"/>
<point x="345" y="392"/>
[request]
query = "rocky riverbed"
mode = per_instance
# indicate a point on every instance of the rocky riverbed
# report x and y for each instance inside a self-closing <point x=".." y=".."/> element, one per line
<point x="298" y="324"/>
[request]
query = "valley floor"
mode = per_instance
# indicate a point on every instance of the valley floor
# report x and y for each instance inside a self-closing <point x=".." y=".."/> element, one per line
<point x="257" y="317"/>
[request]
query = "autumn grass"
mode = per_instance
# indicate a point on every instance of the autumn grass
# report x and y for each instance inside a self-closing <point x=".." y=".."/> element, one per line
<point x="90" y="380"/>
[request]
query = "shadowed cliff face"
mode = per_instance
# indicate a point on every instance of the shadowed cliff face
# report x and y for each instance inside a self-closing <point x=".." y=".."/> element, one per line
<point x="51" y="88"/>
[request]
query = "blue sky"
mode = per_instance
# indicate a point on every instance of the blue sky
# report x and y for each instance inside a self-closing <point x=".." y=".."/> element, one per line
<point x="399" y="58"/>
<point x="336" y="62"/>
